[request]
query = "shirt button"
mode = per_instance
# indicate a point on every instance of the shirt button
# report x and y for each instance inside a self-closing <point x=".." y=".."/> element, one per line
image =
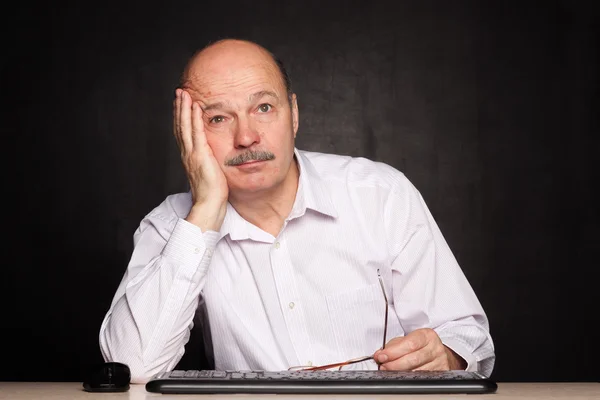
<point x="292" y="305"/>
<point x="276" y="245"/>
<point x="196" y="250"/>
<point x="309" y="363"/>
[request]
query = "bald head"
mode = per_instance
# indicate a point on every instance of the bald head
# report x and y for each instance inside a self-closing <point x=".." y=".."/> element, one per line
<point x="231" y="54"/>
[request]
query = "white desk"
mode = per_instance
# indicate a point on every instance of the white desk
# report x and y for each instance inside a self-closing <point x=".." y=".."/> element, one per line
<point x="506" y="391"/>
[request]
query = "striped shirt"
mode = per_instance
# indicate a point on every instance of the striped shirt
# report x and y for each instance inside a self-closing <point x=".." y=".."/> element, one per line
<point x="311" y="295"/>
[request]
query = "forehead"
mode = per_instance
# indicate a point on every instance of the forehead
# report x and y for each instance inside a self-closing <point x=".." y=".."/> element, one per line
<point x="234" y="78"/>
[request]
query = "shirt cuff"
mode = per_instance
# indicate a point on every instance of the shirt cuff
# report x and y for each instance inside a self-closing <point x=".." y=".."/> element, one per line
<point x="462" y="351"/>
<point x="188" y="245"/>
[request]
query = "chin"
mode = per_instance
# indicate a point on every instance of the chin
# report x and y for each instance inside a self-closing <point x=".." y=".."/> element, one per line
<point x="252" y="185"/>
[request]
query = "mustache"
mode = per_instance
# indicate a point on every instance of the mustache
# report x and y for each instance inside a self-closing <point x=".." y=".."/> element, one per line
<point x="250" y="155"/>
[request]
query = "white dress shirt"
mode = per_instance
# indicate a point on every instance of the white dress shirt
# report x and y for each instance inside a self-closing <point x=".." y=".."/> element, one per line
<point x="309" y="296"/>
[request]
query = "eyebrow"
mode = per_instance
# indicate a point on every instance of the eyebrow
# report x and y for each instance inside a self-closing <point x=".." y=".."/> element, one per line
<point x="262" y="93"/>
<point x="251" y="98"/>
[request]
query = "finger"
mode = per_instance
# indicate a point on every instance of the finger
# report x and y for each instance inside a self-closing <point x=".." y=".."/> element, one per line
<point x="410" y="361"/>
<point x="432" y="366"/>
<point x="399" y="347"/>
<point x="198" y="134"/>
<point x="176" y="112"/>
<point x="185" y="121"/>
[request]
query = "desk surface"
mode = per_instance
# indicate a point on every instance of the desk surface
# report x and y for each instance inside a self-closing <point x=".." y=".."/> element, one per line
<point x="506" y="391"/>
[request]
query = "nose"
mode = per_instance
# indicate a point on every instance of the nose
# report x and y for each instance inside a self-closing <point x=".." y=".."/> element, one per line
<point x="245" y="135"/>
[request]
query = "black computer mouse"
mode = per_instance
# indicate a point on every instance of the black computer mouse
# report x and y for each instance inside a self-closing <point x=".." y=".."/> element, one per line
<point x="108" y="377"/>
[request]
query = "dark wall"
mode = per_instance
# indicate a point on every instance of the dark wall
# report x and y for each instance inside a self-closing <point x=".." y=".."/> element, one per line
<point x="489" y="107"/>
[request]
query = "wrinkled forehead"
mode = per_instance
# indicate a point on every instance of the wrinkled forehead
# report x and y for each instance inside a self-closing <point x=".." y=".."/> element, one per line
<point x="214" y="79"/>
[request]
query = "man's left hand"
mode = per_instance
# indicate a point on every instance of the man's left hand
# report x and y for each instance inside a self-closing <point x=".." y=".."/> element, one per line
<point x="420" y="350"/>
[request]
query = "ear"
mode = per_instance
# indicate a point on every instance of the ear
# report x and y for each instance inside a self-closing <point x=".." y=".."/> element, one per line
<point x="295" y="121"/>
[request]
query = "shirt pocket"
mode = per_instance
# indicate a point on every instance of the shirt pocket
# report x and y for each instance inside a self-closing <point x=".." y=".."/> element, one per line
<point x="358" y="319"/>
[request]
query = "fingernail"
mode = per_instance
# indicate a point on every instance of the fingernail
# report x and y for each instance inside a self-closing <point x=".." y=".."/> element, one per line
<point x="382" y="358"/>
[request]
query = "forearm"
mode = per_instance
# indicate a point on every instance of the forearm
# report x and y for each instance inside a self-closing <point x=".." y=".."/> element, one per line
<point x="150" y="319"/>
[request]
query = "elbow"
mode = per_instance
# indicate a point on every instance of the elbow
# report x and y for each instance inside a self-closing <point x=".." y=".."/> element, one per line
<point x="143" y="364"/>
<point x="140" y="375"/>
<point x="139" y="371"/>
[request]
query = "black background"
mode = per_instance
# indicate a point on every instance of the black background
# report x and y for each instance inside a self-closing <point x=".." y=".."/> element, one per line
<point x="489" y="107"/>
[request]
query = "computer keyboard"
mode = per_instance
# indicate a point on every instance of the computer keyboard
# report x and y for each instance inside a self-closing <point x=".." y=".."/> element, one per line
<point x="319" y="382"/>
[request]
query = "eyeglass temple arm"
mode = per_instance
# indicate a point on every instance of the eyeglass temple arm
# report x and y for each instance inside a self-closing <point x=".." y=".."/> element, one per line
<point x="386" y="310"/>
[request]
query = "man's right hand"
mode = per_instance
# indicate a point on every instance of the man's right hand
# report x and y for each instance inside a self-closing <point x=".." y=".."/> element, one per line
<point x="207" y="181"/>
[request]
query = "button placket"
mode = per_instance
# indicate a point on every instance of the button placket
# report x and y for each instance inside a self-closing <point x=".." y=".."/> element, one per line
<point x="292" y="310"/>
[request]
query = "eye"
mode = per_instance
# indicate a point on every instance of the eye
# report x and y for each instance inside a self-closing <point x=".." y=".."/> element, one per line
<point x="263" y="108"/>
<point x="217" y="120"/>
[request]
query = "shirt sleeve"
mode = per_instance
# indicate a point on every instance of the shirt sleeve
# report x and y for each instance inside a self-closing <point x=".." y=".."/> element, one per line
<point x="151" y="315"/>
<point x="430" y="289"/>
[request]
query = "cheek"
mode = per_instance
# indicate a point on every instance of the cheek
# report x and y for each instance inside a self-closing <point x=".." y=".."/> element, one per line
<point x="277" y="137"/>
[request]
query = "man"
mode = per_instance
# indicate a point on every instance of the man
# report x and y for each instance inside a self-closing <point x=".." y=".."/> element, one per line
<point x="288" y="256"/>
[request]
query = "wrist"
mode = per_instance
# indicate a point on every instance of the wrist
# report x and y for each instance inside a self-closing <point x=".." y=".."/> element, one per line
<point x="208" y="216"/>
<point x="455" y="362"/>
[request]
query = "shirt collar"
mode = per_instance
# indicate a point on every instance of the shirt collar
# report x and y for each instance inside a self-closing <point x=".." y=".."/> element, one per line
<point x="313" y="193"/>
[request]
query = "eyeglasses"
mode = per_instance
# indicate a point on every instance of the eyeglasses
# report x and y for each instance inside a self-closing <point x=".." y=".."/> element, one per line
<point x="340" y="365"/>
